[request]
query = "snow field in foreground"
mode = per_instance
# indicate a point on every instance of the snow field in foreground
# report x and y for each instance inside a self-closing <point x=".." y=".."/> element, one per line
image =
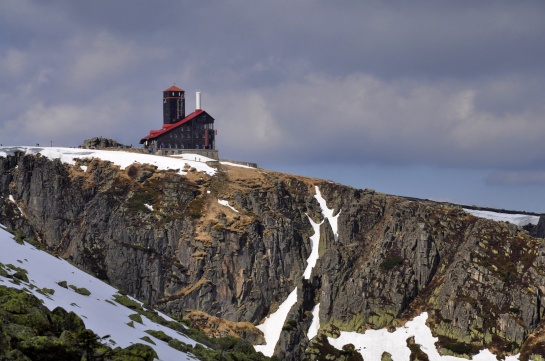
<point x="99" y="311"/>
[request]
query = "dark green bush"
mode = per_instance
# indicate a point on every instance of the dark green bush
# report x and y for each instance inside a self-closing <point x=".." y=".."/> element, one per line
<point x="82" y="291"/>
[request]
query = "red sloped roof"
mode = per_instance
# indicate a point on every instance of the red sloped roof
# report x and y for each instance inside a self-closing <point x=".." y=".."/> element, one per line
<point x="174" y="88"/>
<point x="167" y="127"/>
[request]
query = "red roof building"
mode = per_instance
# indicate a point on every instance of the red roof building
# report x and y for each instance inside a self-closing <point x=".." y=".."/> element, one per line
<point x="195" y="131"/>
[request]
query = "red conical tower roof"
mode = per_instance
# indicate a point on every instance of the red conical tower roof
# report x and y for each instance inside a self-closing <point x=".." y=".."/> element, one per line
<point x="174" y="88"/>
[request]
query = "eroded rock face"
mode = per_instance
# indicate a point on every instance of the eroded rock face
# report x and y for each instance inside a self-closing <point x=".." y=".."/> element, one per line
<point x="166" y="239"/>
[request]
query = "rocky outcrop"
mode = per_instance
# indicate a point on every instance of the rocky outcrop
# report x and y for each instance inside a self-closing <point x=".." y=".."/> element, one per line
<point x="167" y="240"/>
<point x="99" y="142"/>
<point x="540" y="231"/>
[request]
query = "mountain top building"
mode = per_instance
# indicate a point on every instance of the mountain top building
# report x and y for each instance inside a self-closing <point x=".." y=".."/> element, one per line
<point x="180" y="133"/>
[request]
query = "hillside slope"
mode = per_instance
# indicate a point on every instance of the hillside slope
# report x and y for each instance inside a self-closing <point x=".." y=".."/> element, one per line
<point x="51" y="310"/>
<point x="221" y="244"/>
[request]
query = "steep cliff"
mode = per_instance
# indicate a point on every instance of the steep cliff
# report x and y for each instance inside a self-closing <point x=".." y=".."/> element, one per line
<point x="235" y="244"/>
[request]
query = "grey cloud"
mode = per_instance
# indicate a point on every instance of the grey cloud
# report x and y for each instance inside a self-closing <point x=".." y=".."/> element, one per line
<point x="396" y="82"/>
<point x="363" y="118"/>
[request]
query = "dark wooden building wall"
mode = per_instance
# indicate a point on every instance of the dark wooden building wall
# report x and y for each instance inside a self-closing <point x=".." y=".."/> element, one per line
<point x="173" y="106"/>
<point x="190" y="135"/>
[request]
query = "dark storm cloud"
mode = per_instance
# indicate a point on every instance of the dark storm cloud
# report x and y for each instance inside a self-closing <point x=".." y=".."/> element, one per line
<point x="438" y="83"/>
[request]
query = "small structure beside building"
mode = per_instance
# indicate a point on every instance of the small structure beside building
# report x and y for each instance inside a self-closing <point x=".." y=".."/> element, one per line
<point x="180" y="134"/>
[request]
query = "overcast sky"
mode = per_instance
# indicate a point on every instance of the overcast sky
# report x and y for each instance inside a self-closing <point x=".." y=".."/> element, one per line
<point x="433" y="99"/>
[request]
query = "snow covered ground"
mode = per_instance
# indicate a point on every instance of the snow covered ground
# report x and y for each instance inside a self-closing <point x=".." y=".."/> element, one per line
<point x="99" y="311"/>
<point x="373" y="343"/>
<point x="518" y="219"/>
<point x="121" y="158"/>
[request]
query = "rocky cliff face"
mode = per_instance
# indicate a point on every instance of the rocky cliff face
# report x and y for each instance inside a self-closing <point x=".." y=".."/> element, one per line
<point x="167" y="240"/>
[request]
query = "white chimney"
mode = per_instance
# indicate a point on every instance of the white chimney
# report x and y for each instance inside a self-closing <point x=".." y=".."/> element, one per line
<point x="198" y="101"/>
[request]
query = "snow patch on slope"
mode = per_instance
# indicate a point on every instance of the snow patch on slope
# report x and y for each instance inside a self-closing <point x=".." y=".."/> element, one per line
<point x="99" y="311"/>
<point x="193" y="157"/>
<point x="272" y="327"/>
<point x="314" y="242"/>
<point x="315" y="325"/>
<point x="328" y="213"/>
<point x="12" y="200"/>
<point x="120" y="158"/>
<point x="237" y="165"/>
<point x="226" y="204"/>
<point x="518" y="219"/>
<point x="315" y="238"/>
<point x="373" y="343"/>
